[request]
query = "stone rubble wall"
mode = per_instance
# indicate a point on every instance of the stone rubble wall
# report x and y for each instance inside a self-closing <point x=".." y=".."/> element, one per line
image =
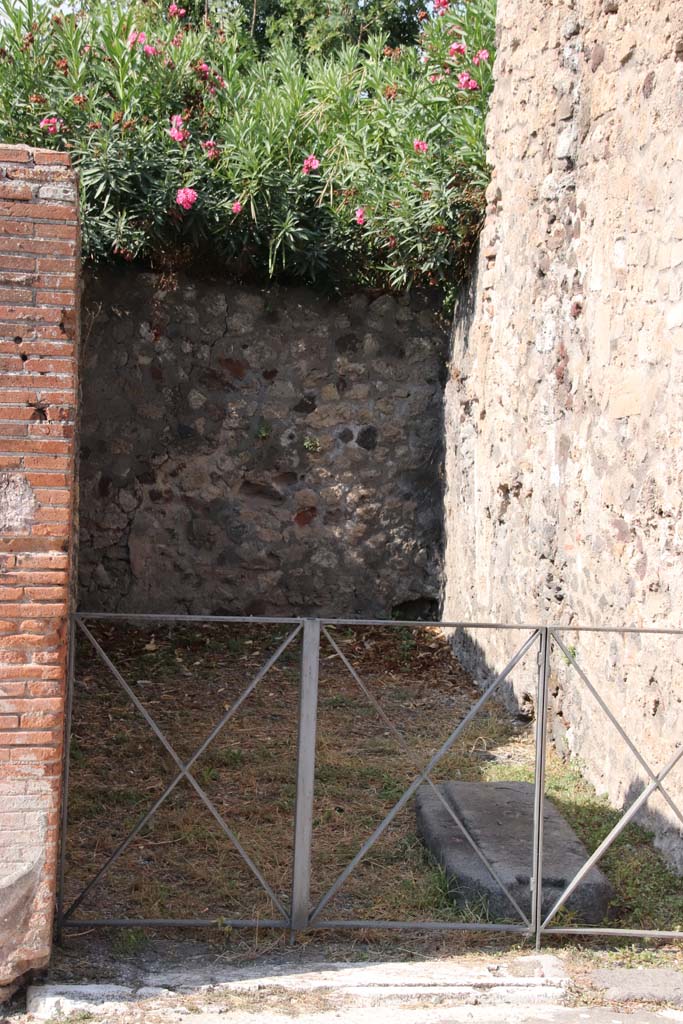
<point x="39" y="316"/>
<point x="564" y="407"/>
<point x="259" y="451"/>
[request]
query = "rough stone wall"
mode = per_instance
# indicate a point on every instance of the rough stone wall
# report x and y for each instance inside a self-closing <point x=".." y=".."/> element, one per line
<point x="565" y="400"/>
<point x="256" y="451"/>
<point x="39" y="301"/>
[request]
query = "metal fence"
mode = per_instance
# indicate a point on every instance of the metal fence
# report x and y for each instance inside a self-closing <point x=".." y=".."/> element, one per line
<point x="300" y="913"/>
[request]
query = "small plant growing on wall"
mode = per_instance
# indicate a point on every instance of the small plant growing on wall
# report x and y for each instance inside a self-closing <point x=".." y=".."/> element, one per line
<point x="312" y="444"/>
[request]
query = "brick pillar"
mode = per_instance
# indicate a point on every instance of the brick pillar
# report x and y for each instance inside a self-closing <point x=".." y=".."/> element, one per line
<point x="39" y="312"/>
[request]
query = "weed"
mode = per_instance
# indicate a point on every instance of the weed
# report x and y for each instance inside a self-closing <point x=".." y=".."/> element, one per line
<point x="127" y="941"/>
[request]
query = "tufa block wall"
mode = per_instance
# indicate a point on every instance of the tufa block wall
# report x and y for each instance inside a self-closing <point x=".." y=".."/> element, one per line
<point x="39" y="302"/>
<point x="564" y="421"/>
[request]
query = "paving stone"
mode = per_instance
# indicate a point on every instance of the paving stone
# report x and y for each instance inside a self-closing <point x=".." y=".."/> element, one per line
<point x="648" y="984"/>
<point x="499" y="817"/>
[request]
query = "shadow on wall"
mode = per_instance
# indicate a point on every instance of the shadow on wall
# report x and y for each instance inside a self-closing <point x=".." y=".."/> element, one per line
<point x="259" y="451"/>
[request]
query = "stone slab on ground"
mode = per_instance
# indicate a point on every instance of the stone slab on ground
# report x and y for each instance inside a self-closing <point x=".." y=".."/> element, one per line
<point x="499" y="817"/>
<point x="647" y="984"/>
<point x="536" y="978"/>
<point x="390" y="1014"/>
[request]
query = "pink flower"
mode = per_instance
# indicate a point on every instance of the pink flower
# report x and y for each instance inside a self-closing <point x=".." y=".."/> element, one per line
<point x="186" y="197"/>
<point x="457" y="48"/>
<point x="177" y="132"/>
<point x="360" y="215"/>
<point x="465" y="81"/>
<point x="177" y="40"/>
<point x="211" y="149"/>
<point x="151" y="51"/>
<point x="480" y="55"/>
<point x="311" y="163"/>
<point x="236" y="206"/>
<point x="52" y="125"/>
<point x="176" y="12"/>
<point x="138" y="38"/>
<point x="441" y="6"/>
<point x="420" y="146"/>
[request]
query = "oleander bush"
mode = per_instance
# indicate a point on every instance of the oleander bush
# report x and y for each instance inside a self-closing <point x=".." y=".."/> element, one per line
<point x="364" y="166"/>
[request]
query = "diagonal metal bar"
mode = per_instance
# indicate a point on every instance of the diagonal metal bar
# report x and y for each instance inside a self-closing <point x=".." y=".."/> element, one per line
<point x="407" y="750"/>
<point x="184" y="771"/>
<point x="440" y="753"/>
<point x="609" y="839"/>
<point x="622" y="732"/>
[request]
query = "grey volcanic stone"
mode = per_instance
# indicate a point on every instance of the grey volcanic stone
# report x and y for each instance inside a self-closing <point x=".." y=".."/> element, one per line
<point x="499" y="817"/>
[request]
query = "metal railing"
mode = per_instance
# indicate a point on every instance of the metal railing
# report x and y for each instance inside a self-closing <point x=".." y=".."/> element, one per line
<point x="301" y="915"/>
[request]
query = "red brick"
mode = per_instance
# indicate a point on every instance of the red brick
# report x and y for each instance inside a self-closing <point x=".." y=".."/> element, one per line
<point x="55" y="229"/>
<point x="38" y="444"/>
<point x="30" y="611"/>
<point x="15" y="154"/>
<point x="40" y="754"/>
<point x="15" y="191"/>
<point x="53" y="531"/>
<point x="27" y="263"/>
<point x="44" y="364"/>
<point x="16" y="228"/>
<point x="46" y="266"/>
<point x="41" y="211"/>
<point x="11" y="690"/>
<point x="52" y="560"/>
<point x="50" y="157"/>
<point x="45" y="593"/>
<point x="8" y="721"/>
<point x="67" y="281"/>
<point x="42" y="719"/>
<point x="27" y="738"/>
<point x="53" y="298"/>
<point x="9" y="293"/>
<point x="34" y="576"/>
<point x="50" y="462"/>
<point x="48" y="480"/>
<point x="52" y="515"/>
<point x="40" y="246"/>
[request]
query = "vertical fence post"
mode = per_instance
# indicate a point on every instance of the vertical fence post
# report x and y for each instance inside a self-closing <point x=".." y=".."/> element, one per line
<point x="63" y="820"/>
<point x="539" y="783"/>
<point x="305" y="778"/>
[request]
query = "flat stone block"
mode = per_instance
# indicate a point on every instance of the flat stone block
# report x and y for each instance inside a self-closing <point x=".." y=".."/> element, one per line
<point x="648" y="984"/>
<point x="499" y="817"/>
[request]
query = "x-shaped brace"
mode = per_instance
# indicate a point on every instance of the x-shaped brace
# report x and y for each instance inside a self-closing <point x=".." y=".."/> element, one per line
<point x="184" y="771"/>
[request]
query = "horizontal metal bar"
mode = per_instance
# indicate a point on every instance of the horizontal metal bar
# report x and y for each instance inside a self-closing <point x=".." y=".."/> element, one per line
<point x="639" y="933"/>
<point x="423" y="926"/>
<point x="425" y="623"/>
<point x="168" y="922"/>
<point x="149" y="617"/>
<point x="618" y="629"/>
<point x="257" y="619"/>
<point x="498" y="625"/>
